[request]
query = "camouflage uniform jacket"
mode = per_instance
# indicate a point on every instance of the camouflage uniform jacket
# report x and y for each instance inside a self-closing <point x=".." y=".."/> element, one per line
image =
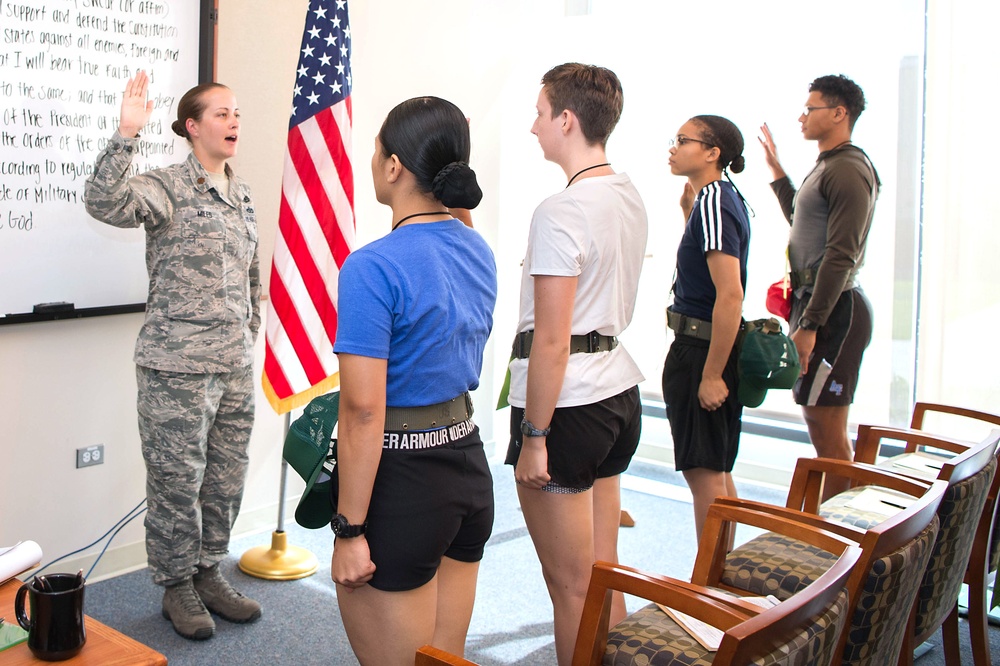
<point x="203" y="308"/>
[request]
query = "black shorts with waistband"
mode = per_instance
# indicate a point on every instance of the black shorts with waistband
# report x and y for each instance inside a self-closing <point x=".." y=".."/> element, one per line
<point x="432" y="498"/>
<point x="835" y="364"/>
<point x="702" y="439"/>
<point x="587" y="442"/>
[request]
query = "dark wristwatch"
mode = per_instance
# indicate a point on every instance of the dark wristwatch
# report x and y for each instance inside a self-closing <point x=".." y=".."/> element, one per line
<point x="529" y="430"/>
<point x="807" y="324"/>
<point x="344" y="530"/>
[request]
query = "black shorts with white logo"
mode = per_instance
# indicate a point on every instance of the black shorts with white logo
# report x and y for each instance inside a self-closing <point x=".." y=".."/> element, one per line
<point x="432" y="498"/>
<point x="835" y="363"/>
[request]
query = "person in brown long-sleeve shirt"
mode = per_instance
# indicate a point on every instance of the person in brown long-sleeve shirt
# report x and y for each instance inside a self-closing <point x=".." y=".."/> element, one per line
<point x="830" y="214"/>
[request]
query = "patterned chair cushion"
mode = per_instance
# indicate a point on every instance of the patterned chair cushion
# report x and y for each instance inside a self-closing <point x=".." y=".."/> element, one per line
<point x="775" y="564"/>
<point x="959" y="513"/>
<point x="649" y="637"/>
<point x="815" y="644"/>
<point x="875" y="635"/>
<point x="837" y="508"/>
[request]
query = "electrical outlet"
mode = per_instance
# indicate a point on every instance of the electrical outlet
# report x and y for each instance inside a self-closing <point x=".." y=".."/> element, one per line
<point x="90" y="455"/>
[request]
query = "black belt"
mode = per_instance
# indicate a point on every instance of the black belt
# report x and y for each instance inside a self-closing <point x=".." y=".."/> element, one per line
<point x="684" y="325"/>
<point x="442" y="414"/>
<point x="588" y="343"/>
<point x="804" y="278"/>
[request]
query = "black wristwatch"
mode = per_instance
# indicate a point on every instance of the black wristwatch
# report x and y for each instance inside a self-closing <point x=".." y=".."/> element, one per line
<point x="529" y="430"/>
<point x="344" y="530"/>
<point x="807" y="324"/>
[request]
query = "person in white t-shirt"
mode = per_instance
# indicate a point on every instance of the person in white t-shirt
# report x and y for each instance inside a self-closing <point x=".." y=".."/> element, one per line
<point x="575" y="419"/>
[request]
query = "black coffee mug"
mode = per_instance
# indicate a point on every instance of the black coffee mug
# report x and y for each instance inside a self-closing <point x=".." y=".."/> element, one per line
<point x="55" y="628"/>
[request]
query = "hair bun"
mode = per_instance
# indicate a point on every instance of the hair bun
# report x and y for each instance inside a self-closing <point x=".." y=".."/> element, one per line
<point x="179" y="129"/>
<point x="738" y="164"/>
<point x="456" y="186"/>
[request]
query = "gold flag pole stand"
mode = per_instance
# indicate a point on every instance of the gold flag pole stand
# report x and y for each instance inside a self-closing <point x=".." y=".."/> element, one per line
<point x="280" y="561"/>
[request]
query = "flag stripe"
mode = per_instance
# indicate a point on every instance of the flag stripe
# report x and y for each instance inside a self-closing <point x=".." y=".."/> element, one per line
<point x="297" y="335"/>
<point x="272" y="371"/>
<point x="315" y="217"/>
<point x="279" y="344"/>
<point x="342" y="198"/>
<point x="320" y="185"/>
<point x="308" y="282"/>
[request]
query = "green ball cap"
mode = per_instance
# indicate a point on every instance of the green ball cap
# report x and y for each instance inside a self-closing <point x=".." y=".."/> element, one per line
<point x="768" y="359"/>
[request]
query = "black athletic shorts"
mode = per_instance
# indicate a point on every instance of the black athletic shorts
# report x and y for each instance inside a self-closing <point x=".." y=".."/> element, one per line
<point x="587" y="442"/>
<point x="702" y="438"/>
<point x="835" y="363"/>
<point x="428" y="503"/>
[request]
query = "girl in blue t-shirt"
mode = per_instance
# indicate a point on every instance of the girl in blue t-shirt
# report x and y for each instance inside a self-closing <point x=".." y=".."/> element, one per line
<point x="700" y="375"/>
<point x="416" y="309"/>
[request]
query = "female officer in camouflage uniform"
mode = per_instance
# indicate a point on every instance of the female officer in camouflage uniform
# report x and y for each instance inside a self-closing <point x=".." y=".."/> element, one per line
<point x="194" y="354"/>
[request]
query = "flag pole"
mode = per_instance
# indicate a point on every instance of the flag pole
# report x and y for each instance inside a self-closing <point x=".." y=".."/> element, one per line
<point x="280" y="561"/>
<point x="315" y="235"/>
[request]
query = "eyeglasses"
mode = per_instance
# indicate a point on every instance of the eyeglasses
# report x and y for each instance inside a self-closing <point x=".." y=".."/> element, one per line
<point x="680" y="140"/>
<point x="806" y="110"/>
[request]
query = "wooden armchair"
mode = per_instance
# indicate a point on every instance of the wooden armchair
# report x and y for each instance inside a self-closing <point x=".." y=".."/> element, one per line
<point x="970" y="507"/>
<point x="895" y="552"/>
<point x="985" y="555"/>
<point x="809" y="623"/>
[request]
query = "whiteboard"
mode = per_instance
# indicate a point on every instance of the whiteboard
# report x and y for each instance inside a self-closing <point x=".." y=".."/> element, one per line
<point x="63" y="68"/>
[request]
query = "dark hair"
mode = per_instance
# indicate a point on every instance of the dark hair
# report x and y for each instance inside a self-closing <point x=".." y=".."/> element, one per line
<point x="592" y="93"/>
<point x="839" y="90"/>
<point x="724" y="135"/>
<point x="430" y="136"/>
<point x="192" y="106"/>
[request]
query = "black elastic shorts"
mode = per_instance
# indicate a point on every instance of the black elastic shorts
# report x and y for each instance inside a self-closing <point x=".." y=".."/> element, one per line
<point x="835" y="363"/>
<point x="702" y="438"/>
<point x="426" y="504"/>
<point x="587" y="442"/>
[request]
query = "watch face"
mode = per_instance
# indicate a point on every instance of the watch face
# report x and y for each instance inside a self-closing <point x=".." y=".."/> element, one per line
<point x="344" y="529"/>
<point x="338" y="524"/>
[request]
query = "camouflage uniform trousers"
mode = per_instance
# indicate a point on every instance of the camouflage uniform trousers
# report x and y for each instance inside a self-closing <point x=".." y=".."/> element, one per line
<point x="195" y="431"/>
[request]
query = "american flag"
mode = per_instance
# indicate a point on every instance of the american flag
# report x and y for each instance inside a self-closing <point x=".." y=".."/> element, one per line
<point x="316" y="219"/>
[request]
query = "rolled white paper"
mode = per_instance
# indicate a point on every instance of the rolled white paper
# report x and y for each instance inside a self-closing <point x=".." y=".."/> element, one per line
<point x="18" y="559"/>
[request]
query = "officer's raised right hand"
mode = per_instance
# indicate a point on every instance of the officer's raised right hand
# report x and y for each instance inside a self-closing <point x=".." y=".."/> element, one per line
<point x="136" y="108"/>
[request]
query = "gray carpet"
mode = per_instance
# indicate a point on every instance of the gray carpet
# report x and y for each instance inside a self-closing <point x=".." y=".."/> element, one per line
<point x="512" y="622"/>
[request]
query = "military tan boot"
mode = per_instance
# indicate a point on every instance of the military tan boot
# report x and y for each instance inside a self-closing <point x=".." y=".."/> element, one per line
<point x="222" y="599"/>
<point x="185" y="610"/>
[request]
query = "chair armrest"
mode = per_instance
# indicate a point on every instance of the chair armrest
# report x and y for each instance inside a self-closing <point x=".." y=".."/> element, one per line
<point x="870" y="441"/>
<point x="922" y="408"/>
<point x="722" y="518"/>
<point x="428" y="655"/>
<point x="727" y="599"/>
<point x="592" y="637"/>
<point x="844" y="530"/>
<point x="804" y="492"/>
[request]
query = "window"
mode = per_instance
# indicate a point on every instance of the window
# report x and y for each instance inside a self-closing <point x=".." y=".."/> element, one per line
<point x="751" y="66"/>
